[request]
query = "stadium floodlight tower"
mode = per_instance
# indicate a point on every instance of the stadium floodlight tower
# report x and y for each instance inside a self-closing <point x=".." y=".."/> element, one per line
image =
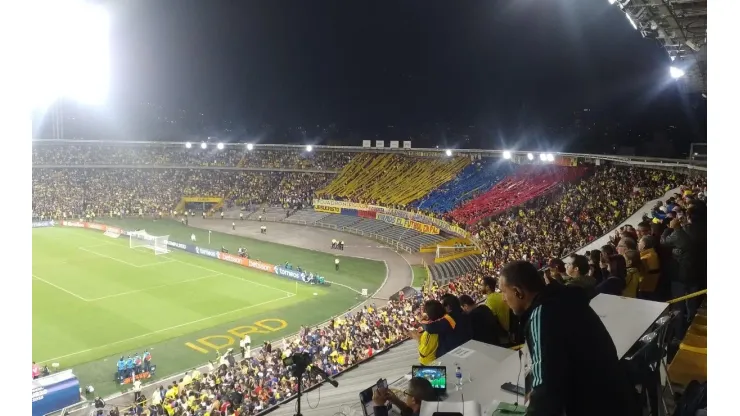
<point x="203" y="145"/>
<point x="676" y="72"/>
<point x="188" y="145"/>
<point x="309" y="148"/>
<point x="250" y="146"/>
<point x="507" y="154"/>
<point x="448" y="152"/>
<point x="63" y="50"/>
<point x="220" y="146"/>
<point x="143" y="239"/>
<point x="69" y="46"/>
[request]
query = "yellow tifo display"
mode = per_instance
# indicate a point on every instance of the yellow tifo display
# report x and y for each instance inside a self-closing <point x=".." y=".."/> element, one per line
<point x="392" y="178"/>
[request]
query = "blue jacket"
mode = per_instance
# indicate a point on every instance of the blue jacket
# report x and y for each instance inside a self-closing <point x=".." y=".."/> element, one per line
<point x="453" y="330"/>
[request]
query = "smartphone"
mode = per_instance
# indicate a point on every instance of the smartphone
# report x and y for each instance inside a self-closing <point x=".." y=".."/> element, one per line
<point x="382" y="383"/>
<point x="511" y="388"/>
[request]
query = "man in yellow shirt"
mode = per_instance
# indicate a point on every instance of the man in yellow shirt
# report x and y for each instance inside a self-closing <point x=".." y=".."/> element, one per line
<point x="495" y="301"/>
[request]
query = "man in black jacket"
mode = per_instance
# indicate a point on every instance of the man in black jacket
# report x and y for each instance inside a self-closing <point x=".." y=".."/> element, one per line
<point x="483" y="322"/>
<point x="575" y="368"/>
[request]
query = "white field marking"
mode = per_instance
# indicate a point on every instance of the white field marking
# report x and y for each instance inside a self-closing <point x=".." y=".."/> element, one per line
<point x="124" y="261"/>
<point x="130" y="292"/>
<point x="290" y="295"/>
<point x="232" y="276"/>
<point x="59" y="287"/>
<point x="203" y="268"/>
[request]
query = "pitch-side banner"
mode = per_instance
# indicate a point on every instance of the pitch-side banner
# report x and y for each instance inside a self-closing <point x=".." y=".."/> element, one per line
<point x="414" y="216"/>
<point x="407" y="223"/>
<point x="329" y="209"/>
<point x="40" y="224"/>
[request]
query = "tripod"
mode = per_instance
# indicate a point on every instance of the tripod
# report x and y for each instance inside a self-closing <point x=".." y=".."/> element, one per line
<point x="298" y="372"/>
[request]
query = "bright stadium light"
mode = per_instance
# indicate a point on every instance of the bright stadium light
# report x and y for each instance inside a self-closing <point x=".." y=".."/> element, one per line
<point x="250" y="146"/>
<point x="309" y="148"/>
<point x="188" y="145"/>
<point x="612" y="1"/>
<point x="69" y="43"/>
<point x="220" y="146"/>
<point x="550" y="157"/>
<point x="507" y="154"/>
<point x="543" y="157"/>
<point x="631" y="21"/>
<point x="677" y="73"/>
<point x="203" y="145"/>
<point x="530" y="156"/>
<point x="448" y="152"/>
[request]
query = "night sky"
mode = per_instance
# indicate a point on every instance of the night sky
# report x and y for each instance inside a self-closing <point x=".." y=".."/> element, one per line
<point x="513" y="66"/>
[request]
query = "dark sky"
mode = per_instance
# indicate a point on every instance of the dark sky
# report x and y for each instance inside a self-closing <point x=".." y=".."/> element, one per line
<point x="363" y="63"/>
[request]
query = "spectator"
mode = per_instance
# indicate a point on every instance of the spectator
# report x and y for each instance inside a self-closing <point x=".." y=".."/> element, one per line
<point x="575" y="368"/>
<point x="486" y="327"/>
<point x="454" y="309"/>
<point x="635" y="273"/>
<point x="681" y="269"/>
<point x="594" y="265"/>
<point x="497" y="305"/>
<point x="577" y="270"/>
<point x="557" y="270"/>
<point x="451" y="333"/>
<point x="615" y="283"/>
<point x="419" y="390"/>
<point x="651" y="262"/>
<point x="626" y="243"/>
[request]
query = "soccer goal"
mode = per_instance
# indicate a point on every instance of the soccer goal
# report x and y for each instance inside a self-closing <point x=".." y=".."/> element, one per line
<point x="144" y="239"/>
<point x="446" y="251"/>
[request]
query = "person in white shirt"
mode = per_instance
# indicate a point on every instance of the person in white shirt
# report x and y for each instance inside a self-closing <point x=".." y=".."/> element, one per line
<point x="137" y="391"/>
<point x="233" y="226"/>
<point x="336" y="264"/>
<point x="333" y="243"/>
<point x="246" y="345"/>
<point x="192" y="237"/>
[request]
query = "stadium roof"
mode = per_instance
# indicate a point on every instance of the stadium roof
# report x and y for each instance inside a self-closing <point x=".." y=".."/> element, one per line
<point x="680" y="26"/>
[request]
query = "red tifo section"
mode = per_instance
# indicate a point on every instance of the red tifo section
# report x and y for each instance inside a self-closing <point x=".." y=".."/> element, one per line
<point x="526" y="183"/>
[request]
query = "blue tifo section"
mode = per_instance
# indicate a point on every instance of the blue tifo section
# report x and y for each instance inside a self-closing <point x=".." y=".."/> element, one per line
<point x="476" y="178"/>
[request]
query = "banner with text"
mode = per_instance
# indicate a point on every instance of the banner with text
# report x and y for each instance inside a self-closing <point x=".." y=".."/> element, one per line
<point x="205" y="199"/>
<point x="350" y="212"/>
<point x="328" y="209"/>
<point x="40" y="224"/>
<point x="407" y="223"/>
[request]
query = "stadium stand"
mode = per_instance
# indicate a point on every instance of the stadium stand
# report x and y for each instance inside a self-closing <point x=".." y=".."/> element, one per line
<point x="476" y="178"/>
<point x="571" y="215"/>
<point x="73" y="153"/>
<point x="526" y="183"/>
<point x="392" y="179"/>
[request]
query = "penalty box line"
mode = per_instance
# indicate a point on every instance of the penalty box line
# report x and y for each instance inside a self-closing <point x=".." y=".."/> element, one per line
<point x="171" y="259"/>
<point x="130" y="292"/>
<point x="289" y="295"/>
<point x="138" y="266"/>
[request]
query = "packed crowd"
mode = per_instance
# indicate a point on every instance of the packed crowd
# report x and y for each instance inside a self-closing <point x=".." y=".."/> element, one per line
<point x="575" y="214"/>
<point x="89" y="154"/>
<point x="261" y="380"/>
<point x="72" y="192"/>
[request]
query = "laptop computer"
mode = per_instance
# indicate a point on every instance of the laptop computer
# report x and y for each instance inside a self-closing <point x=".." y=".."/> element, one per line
<point x="437" y="376"/>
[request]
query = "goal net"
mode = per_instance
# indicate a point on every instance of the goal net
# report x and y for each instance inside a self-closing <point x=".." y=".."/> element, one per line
<point x="446" y="251"/>
<point x="143" y="239"/>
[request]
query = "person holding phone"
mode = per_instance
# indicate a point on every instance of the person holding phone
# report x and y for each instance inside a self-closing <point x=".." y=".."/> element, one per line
<point x="419" y="390"/>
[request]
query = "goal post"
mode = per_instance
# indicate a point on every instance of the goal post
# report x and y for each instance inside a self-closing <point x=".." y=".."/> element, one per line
<point x="447" y="251"/>
<point x="143" y="239"/>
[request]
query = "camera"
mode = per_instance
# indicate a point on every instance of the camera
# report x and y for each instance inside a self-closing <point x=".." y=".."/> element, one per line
<point x="300" y="360"/>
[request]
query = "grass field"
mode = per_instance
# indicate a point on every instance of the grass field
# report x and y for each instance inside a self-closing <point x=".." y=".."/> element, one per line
<point x="420" y="276"/>
<point x="95" y="299"/>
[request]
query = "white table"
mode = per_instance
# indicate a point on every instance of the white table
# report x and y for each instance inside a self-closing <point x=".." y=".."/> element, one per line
<point x="626" y="319"/>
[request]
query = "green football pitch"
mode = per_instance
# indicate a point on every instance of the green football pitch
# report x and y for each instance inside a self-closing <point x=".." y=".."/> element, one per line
<point x="95" y="299"/>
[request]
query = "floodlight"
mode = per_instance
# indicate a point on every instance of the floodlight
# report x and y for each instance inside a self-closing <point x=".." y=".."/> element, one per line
<point x="220" y="146"/>
<point x="73" y="36"/>
<point x="203" y="145"/>
<point x="631" y="21"/>
<point x="550" y="157"/>
<point x="448" y="152"/>
<point x="507" y="154"/>
<point x="309" y="148"/>
<point x="250" y="146"/>
<point x="530" y="156"/>
<point x="543" y="157"/>
<point x="612" y="1"/>
<point x="677" y="73"/>
<point x="188" y="145"/>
